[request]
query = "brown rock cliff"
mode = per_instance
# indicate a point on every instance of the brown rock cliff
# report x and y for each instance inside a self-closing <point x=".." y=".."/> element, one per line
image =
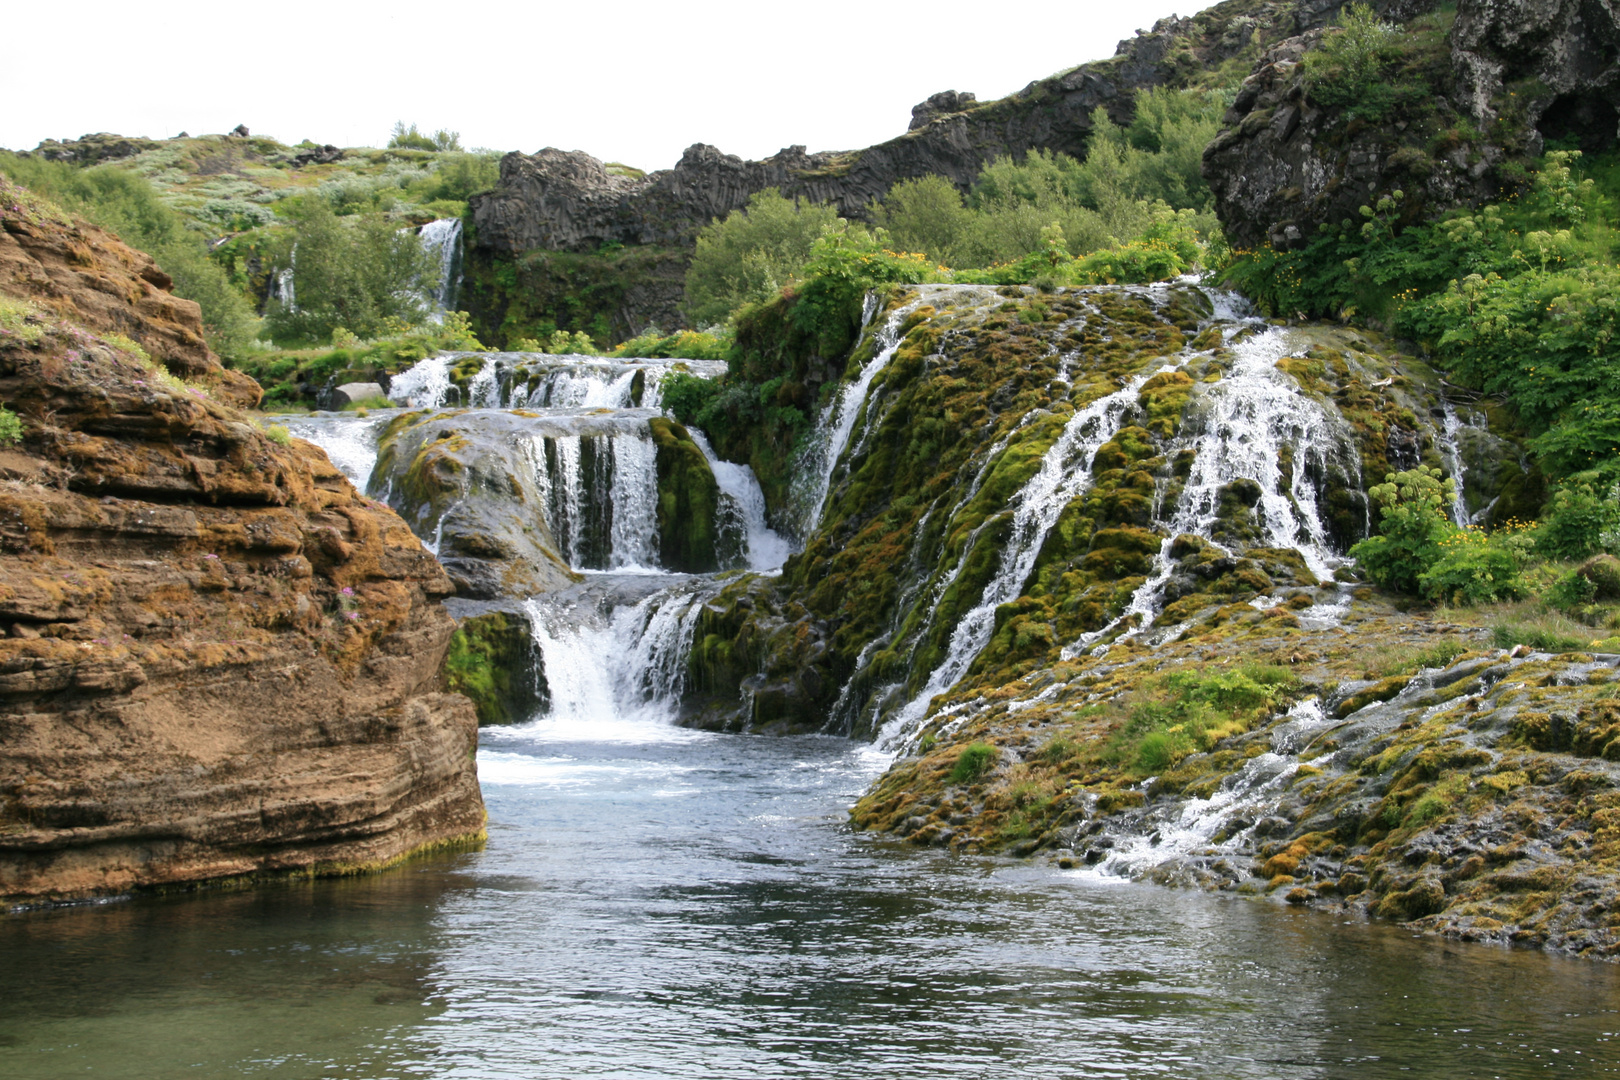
<point x="219" y="659"/>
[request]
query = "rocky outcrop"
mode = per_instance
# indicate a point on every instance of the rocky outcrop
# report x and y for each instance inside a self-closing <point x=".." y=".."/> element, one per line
<point x="93" y="149"/>
<point x="220" y="661"/>
<point x="1506" y="77"/>
<point x="90" y="278"/>
<point x="460" y="478"/>
<point x="560" y="200"/>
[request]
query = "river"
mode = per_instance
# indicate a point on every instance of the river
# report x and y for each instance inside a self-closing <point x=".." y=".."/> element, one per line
<point x="677" y="904"/>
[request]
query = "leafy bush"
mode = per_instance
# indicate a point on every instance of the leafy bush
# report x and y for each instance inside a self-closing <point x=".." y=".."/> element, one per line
<point x="1348" y="69"/>
<point x="687" y="396"/>
<point x="973" y="762"/>
<point x="753" y="253"/>
<point x="1412" y="527"/>
<point x="11" y="428"/>
<point x="408" y="138"/>
<point x="1472" y="568"/>
<point x="1582" y="518"/>
<point x="356" y="273"/>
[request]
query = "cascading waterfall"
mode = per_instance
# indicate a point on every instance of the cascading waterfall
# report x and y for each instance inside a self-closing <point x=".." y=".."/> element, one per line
<point x="1064" y="473"/>
<point x="1245" y="797"/>
<point x="814" y="471"/>
<point x="350" y="442"/>
<point x="426" y="385"/>
<point x="615" y="672"/>
<point x="441" y="242"/>
<point x="544" y="381"/>
<point x="764" y="548"/>
<point x="1244" y="428"/>
<point x="635" y="503"/>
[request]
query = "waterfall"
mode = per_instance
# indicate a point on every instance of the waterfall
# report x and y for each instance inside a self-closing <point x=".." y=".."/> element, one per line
<point x="1064" y="474"/>
<point x="1451" y="453"/>
<point x="814" y="469"/>
<point x="1189" y="828"/>
<point x="635" y="503"/>
<point x="441" y="242"/>
<point x="349" y="441"/>
<point x="613" y="673"/>
<point x="1246" y="425"/>
<point x="484" y="389"/>
<point x="764" y="548"/>
<point x="425" y="386"/>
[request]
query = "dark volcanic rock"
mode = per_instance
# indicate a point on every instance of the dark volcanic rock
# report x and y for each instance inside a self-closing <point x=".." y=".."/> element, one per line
<point x="559" y="200"/>
<point x="1518" y="71"/>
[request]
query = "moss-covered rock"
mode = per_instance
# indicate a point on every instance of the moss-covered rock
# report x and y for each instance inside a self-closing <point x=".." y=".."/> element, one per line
<point x="493" y="660"/>
<point x="688" y="502"/>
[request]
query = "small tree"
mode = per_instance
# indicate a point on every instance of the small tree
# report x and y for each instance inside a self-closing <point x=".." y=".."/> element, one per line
<point x="355" y="272"/>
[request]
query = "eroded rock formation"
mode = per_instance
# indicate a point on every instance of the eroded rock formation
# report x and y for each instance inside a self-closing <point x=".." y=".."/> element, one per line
<point x="220" y="660"/>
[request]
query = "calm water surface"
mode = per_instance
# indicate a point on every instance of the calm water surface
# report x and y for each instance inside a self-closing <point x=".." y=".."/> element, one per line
<point x="656" y="903"/>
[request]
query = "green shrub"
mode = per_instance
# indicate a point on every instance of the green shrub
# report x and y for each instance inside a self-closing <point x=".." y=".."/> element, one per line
<point x="1472" y="568"/>
<point x="973" y="762"/>
<point x="278" y="434"/>
<point x="753" y="253"/>
<point x="1412" y="527"/>
<point x="11" y="427"/>
<point x="687" y="396"/>
<point x="357" y="273"/>
<point x="1581" y="519"/>
<point x="1348" y="68"/>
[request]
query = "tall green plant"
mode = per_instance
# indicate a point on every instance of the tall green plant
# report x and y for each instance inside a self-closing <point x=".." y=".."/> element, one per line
<point x="753" y="253"/>
<point x="358" y="273"/>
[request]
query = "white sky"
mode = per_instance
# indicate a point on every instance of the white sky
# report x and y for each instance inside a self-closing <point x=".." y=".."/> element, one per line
<point x="628" y="81"/>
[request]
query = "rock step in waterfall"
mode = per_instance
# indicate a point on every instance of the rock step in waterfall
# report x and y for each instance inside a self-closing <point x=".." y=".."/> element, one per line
<point x="1247" y="459"/>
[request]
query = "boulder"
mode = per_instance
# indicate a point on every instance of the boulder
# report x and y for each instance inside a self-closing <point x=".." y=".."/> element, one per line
<point x="342" y="397"/>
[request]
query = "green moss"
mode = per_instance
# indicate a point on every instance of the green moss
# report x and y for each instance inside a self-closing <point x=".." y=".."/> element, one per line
<point x="688" y="500"/>
<point x="493" y="661"/>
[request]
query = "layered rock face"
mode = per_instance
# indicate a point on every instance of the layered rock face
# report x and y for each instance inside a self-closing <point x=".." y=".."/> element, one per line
<point x="1495" y="85"/>
<point x="220" y="660"/>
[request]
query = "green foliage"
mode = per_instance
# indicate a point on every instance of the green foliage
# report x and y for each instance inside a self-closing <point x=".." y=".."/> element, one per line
<point x="127" y="204"/>
<point x="1349" y="68"/>
<point x="1473" y="568"/>
<point x="753" y="253"/>
<point x="408" y="138"/>
<point x="683" y="344"/>
<point x="1582" y="518"/>
<point x="688" y="397"/>
<point x="1515" y="299"/>
<point x="11" y="428"/>
<point x="973" y="762"/>
<point x="1412" y="527"/>
<point x="927" y="215"/>
<point x="354" y="273"/>
<point x="278" y="434"/>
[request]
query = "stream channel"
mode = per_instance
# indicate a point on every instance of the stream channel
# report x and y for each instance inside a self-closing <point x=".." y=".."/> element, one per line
<point x="660" y="902"/>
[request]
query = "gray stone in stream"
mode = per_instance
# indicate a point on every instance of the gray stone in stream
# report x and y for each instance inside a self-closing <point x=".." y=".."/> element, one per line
<point x="460" y="478"/>
<point x="354" y="393"/>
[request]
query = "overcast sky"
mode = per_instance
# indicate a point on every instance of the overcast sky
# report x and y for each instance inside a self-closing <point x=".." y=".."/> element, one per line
<point x="630" y="81"/>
